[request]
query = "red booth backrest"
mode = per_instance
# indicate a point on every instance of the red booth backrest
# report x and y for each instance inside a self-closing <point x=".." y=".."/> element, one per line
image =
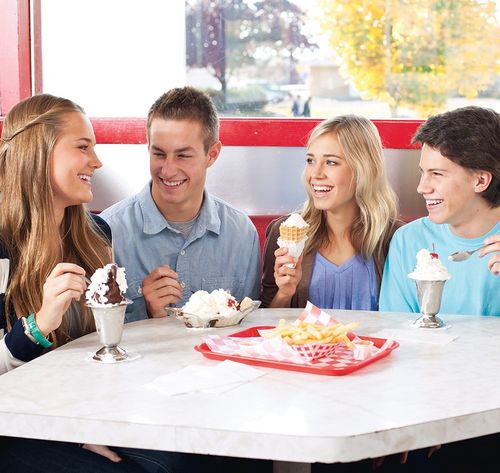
<point x="261" y="222"/>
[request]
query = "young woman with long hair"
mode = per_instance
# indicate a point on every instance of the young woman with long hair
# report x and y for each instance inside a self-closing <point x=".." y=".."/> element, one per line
<point x="47" y="160"/>
<point x="48" y="243"/>
<point x="352" y="213"/>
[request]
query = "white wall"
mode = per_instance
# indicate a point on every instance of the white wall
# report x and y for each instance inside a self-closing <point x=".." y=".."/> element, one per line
<point x="113" y="57"/>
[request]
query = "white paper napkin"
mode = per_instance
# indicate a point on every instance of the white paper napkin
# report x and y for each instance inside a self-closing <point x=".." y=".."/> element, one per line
<point x="417" y="335"/>
<point x="212" y="379"/>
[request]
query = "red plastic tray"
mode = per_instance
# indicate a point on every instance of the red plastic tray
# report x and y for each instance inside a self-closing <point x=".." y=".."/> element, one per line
<point x="338" y="364"/>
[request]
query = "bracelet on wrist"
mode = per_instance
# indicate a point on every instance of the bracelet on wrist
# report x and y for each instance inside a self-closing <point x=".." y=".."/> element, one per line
<point x="35" y="332"/>
<point x="27" y="330"/>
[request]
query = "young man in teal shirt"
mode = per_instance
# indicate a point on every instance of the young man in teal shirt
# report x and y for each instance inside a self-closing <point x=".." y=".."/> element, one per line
<point x="460" y="182"/>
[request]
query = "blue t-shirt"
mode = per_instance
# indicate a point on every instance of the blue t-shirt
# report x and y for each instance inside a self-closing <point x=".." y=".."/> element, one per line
<point x="472" y="289"/>
<point x="350" y="286"/>
<point x="221" y="251"/>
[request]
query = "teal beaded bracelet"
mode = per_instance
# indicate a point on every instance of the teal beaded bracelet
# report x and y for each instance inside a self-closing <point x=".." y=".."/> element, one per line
<point x="35" y="331"/>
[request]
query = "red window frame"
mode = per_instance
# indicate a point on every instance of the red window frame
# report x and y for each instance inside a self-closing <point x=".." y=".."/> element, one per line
<point x="254" y="131"/>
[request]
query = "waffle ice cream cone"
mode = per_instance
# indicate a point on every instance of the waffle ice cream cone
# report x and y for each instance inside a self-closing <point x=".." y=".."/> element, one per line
<point x="293" y="235"/>
<point x="294" y="228"/>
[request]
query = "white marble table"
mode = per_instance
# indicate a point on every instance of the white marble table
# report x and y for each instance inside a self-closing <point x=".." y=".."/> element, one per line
<point x="422" y="394"/>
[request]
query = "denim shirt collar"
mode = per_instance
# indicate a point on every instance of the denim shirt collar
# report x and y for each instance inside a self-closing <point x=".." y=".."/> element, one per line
<point x="155" y="222"/>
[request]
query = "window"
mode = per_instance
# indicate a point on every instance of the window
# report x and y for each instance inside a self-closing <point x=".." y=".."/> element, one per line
<point x="381" y="59"/>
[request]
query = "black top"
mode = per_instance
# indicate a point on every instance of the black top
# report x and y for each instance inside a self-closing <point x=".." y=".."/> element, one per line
<point x="19" y="345"/>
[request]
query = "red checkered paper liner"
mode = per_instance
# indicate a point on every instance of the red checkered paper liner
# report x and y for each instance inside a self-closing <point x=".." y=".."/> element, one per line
<point x="314" y="315"/>
<point x="276" y="348"/>
<point x="254" y="347"/>
<point x="315" y="351"/>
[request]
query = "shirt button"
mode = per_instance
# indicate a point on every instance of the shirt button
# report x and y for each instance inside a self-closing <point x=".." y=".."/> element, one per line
<point x="183" y="284"/>
<point x="139" y="290"/>
<point x="183" y="252"/>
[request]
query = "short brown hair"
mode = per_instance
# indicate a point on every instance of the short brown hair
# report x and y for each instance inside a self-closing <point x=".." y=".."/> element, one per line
<point x="188" y="103"/>
<point x="470" y="137"/>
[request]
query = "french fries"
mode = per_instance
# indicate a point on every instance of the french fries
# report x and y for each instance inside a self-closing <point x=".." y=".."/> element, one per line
<point x="303" y="333"/>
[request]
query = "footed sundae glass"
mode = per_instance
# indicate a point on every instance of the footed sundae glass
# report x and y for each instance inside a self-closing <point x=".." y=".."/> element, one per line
<point x="109" y="322"/>
<point x="429" y="276"/>
<point x="429" y="295"/>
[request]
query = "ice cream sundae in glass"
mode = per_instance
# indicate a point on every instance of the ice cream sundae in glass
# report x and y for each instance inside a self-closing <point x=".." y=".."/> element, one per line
<point x="105" y="297"/>
<point x="429" y="276"/>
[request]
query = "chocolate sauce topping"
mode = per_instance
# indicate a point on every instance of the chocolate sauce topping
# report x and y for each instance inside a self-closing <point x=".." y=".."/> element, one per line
<point x="113" y="295"/>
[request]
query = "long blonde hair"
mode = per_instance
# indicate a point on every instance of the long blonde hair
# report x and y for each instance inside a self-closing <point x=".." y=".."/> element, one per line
<point x="27" y="222"/>
<point x="377" y="202"/>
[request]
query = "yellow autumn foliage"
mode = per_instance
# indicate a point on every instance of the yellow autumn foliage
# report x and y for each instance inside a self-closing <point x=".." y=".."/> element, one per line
<point x="415" y="53"/>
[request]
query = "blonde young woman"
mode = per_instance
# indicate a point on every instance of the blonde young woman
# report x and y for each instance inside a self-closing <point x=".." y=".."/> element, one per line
<point x="48" y="243"/>
<point x="352" y="212"/>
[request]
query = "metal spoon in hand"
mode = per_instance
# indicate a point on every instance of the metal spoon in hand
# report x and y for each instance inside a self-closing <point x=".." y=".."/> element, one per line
<point x="463" y="255"/>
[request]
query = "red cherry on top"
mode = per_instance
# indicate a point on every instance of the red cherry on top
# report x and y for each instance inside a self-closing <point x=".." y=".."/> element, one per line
<point x="434" y="255"/>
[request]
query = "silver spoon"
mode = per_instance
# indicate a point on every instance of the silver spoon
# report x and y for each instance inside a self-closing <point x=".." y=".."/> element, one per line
<point x="463" y="255"/>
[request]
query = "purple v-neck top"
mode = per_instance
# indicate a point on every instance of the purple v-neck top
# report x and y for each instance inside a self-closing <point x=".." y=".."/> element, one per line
<point x="352" y="285"/>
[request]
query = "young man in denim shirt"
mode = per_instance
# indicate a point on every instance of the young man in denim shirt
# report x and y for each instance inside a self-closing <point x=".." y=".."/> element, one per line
<point x="174" y="237"/>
